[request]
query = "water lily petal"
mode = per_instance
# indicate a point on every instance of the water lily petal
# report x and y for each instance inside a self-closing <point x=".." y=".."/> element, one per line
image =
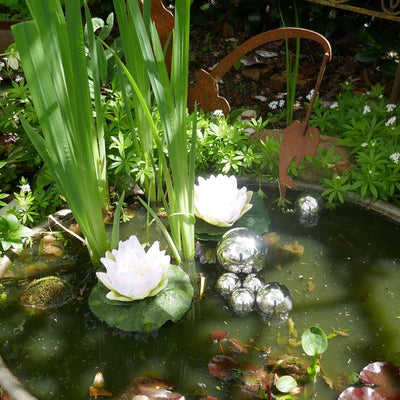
<point x="218" y="201"/>
<point x="131" y="273"/>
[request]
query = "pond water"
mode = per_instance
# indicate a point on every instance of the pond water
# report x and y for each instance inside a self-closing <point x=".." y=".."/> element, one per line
<point x="346" y="281"/>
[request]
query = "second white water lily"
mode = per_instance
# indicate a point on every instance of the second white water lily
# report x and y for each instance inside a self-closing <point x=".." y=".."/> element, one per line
<point x="133" y="274"/>
<point x="218" y="201"/>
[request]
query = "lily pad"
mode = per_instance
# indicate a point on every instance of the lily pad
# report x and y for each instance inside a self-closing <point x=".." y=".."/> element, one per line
<point x="256" y="219"/>
<point x="148" y="314"/>
<point x="314" y="341"/>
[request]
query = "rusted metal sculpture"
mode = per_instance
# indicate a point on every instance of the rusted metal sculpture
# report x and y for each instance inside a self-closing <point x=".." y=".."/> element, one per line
<point x="299" y="139"/>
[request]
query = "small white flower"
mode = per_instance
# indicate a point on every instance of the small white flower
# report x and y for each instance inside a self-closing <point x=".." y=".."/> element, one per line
<point x="337" y="177"/>
<point x="395" y="157"/>
<point x="390" y="107"/>
<point x="273" y="105"/>
<point x="217" y="113"/>
<point x="310" y="95"/>
<point x="2" y="64"/>
<point x="133" y="274"/>
<point x="218" y="201"/>
<point x="390" y="121"/>
<point x="281" y="103"/>
<point x="370" y="172"/>
<point x="334" y="105"/>
<point x="373" y="144"/>
<point x="25" y="188"/>
<point x="366" y="109"/>
<point x="365" y="144"/>
<point x="18" y="78"/>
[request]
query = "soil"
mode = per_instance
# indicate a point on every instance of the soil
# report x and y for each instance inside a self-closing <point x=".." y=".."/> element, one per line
<point x="257" y="85"/>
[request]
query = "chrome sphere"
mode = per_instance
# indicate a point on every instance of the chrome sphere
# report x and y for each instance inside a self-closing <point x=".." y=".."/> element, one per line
<point x="252" y="283"/>
<point x="274" y="298"/>
<point x="308" y="210"/>
<point x="242" y="301"/>
<point x="227" y="283"/>
<point x="242" y="250"/>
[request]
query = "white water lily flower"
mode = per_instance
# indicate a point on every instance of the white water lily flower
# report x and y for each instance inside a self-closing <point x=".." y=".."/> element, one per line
<point x="218" y="201"/>
<point x="133" y="274"/>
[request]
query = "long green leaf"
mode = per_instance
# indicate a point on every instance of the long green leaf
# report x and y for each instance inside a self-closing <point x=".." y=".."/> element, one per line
<point x="52" y="55"/>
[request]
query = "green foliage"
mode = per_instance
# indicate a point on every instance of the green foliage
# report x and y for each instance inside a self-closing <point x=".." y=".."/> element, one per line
<point x="314" y="343"/>
<point x="13" y="9"/>
<point x="12" y="233"/>
<point x="72" y="141"/>
<point x="148" y="314"/>
<point x="369" y="125"/>
<point x="286" y="383"/>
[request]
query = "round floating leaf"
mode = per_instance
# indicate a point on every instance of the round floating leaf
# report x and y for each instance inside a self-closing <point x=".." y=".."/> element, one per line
<point x="360" y="393"/>
<point x="314" y="341"/>
<point x="148" y="314"/>
<point x="386" y="378"/>
<point x="286" y="383"/>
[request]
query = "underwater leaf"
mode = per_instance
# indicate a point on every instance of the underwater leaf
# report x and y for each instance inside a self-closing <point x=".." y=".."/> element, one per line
<point x="385" y="377"/>
<point x="254" y="377"/>
<point x="150" y="313"/>
<point x="256" y="219"/>
<point x="286" y="383"/>
<point x="314" y="341"/>
<point x="223" y="367"/>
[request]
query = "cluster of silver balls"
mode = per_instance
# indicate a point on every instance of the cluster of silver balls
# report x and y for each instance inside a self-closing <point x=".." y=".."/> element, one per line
<point x="242" y="253"/>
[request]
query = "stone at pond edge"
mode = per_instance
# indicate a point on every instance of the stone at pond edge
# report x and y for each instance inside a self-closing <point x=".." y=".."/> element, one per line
<point x="50" y="246"/>
<point x="47" y="293"/>
<point x="150" y="313"/>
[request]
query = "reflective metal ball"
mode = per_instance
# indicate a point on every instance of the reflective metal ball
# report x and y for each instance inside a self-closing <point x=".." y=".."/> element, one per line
<point x="308" y="209"/>
<point x="242" y="301"/>
<point x="227" y="283"/>
<point x="252" y="283"/>
<point x="274" y="298"/>
<point x="242" y="250"/>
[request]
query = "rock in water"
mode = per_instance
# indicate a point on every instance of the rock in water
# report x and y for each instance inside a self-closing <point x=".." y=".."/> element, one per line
<point x="47" y="293"/>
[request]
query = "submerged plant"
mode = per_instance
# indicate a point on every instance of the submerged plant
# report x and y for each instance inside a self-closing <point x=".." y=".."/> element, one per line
<point x="314" y="343"/>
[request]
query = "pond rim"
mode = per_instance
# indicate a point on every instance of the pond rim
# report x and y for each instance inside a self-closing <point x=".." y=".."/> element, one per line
<point x="16" y="390"/>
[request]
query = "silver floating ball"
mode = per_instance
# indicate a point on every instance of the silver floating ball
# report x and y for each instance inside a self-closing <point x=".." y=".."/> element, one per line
<point x="274" y="298"/>
<point x="242" y="301"/>
<point x="227" y="283"/>
<point x="308" y="209"/>
<point x="242" y="250"/>
<point x="252" y="283"/>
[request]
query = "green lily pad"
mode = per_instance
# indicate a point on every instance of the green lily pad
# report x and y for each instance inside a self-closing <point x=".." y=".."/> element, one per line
<point x="148" y="314"/>
<point x="256" y="219"/>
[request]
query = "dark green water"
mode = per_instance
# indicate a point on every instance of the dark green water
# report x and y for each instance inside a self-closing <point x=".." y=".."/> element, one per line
<point x="348" y="279"/>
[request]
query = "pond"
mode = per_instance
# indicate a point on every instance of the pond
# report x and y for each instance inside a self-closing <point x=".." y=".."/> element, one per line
<point x="345" y="282"/>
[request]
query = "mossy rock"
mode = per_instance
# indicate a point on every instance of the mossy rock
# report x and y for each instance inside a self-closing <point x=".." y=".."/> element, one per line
<point x="47" y="293"/>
